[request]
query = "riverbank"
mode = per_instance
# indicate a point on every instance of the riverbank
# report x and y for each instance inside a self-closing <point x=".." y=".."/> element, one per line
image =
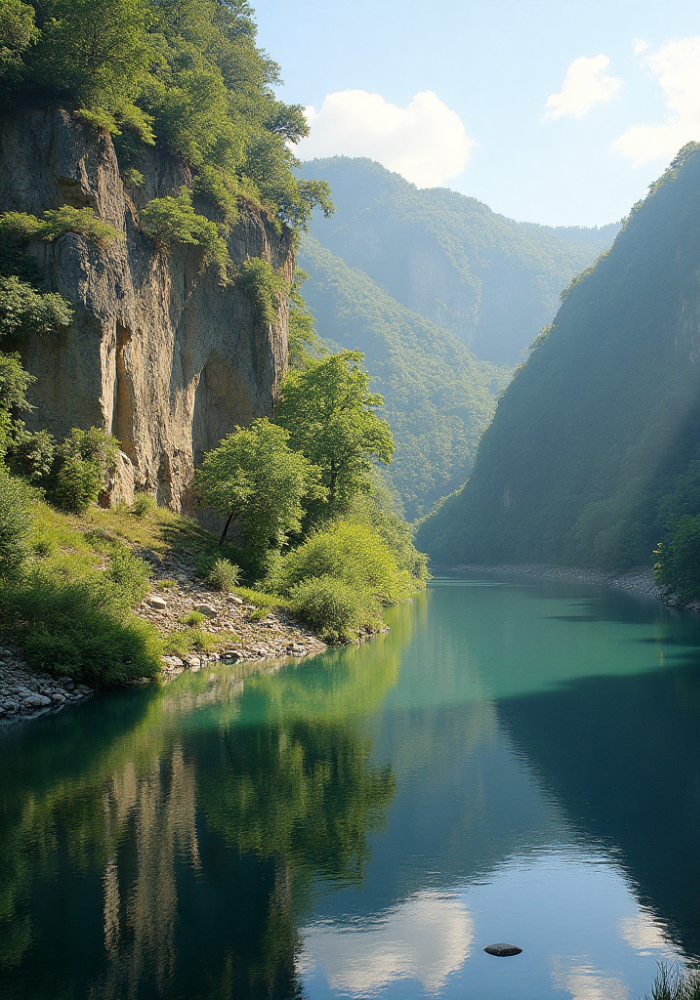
<point x="635" y="581"/>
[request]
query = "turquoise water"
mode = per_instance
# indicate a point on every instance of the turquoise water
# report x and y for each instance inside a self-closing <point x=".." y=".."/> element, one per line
<point x="511" y="762"/>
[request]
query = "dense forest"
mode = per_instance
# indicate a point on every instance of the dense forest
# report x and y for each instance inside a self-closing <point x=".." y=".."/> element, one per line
<point x="592" y="458"/>
<point x="491" y="282"/>
<point x="438" y="397"/>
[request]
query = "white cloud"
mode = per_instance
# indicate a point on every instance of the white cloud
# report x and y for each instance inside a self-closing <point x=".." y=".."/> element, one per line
<point x="584" y="982"/>
<point x="640" y="45"/>
<point x="676" y="66"/>
<point x="585" y="85"/>
<point x="427" y="938"/>
<point x="425" y="142"/>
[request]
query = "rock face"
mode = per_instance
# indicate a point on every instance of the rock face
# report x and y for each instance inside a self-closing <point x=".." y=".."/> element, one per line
<point x="160" y="353"/>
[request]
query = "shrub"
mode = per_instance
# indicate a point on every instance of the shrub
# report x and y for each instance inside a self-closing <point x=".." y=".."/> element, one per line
<point x="347" y="551"/>
<point x="133" y="177"/>
<point x="24" y="311"/>
<point x="264" y="287"/>
<point x="181" y="643"/>
<point x="173" y="220"/>
<point x="78" y="484"/>
<point x="143" y="505"/>
<point x="80" y="628"/>
<point x="223" y="575"/>
<point x="15" y="521"/>
<point x="58" y="222"/>
<point x="333" y="609"/>
<point x="194" y="618"/>
<point x="130" y="575"/>
<point x="31" y="453"/>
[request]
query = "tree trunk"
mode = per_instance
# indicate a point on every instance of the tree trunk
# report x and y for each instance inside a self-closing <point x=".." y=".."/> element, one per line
<point x="226" y="527"/>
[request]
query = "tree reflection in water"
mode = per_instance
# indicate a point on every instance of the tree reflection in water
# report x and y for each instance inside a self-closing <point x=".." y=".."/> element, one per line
<point x="166" y="842"/>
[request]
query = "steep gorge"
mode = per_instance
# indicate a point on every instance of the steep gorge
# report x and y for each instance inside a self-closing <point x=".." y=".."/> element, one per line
<point x="160" y="353"/>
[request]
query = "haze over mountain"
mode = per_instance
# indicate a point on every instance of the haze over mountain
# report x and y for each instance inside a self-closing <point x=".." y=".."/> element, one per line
<point x="438" y="397"/>
<point x="490" y="281"/>
<point x="594" y="447"/>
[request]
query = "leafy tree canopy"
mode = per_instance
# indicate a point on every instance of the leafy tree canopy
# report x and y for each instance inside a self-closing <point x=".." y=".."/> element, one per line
<point x="254" y="475"/>
<point x="185" y="74"/>
<point x="329" y="413"/>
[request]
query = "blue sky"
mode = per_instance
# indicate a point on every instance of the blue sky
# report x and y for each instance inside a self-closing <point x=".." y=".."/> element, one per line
<point x="486" y="70"/>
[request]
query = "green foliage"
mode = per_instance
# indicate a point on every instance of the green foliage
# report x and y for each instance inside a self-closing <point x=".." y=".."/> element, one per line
<point x="85" y="457"/>
<point x="133" y="178"/>
<point x="15" y="521"/>
<point x="170" y="221"/>
<point x="223" y="575"/>
<point x="333" y="609"/>
<point x="194" y="618"/>
<point x="129" y="574"/>
<point x="57" y="222"/>
<point x="144" y="504"/>
<point x="14" y="382"/>
<point x="438" y="397"/>
<point x="254" y="475"/>
<point x="82" y="628"/>
<point x="303" y="342"/>
<point x="328" y="412"/>
<point x="491" y="282"/>
<point x="183" y="73"/>
<point x="349" y="551"/>
<point x="17" y="32"/>
<point x="30" y="454"/>
<point x="678" y="569"/>
<point x="264" y="287"/>
<point x="24" y="311"/>
<point x="592" y="453"/>
<point x="78" y="484"/>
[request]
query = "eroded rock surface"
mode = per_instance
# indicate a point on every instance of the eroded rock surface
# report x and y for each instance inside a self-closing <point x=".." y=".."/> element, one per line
<point x="160" y="353"/>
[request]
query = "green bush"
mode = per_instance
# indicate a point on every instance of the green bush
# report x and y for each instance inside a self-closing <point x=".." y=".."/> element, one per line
<point x="169" y="221"/>
<point x="81" y="628"/>
<point x="264" y="287"/>
<point x="24" y="311"/>
<point x="58" y="222"/>
<point x="130" y="574"/>
<point x="678" y="570"/>
<point x="15" y="521"/>
<point x="223" y="575"/>
<point x="194" y="618"/>
<point x="78" y="484"/>
<point x="333" y="609"/>
<point x="31" y="453"/>
<point x="143" y="505"/>
<point x="351" y="552"/>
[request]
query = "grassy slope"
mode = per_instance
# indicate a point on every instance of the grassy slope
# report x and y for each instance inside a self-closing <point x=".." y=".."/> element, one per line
<point x="438" y="396"/>
<point x="604" y="418"/>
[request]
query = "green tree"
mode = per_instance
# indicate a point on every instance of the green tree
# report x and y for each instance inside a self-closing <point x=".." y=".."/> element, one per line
<point x="24" y="311"/>
<point x="329" y="413"/>
<point x="255" y="476"/>
<point x="17" y="32"/>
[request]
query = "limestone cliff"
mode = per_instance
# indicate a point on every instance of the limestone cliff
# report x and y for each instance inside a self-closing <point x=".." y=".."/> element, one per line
<point x="160" y="353"/>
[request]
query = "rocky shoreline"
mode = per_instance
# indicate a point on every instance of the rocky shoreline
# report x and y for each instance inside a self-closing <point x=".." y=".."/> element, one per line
<point x="635" y="581"/>
<point x="26" y="694"/>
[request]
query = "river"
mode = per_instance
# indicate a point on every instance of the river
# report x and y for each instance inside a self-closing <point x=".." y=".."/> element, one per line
<point x="511" y="762"/>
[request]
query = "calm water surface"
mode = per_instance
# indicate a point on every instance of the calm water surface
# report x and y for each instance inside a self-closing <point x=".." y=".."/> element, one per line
<point x="510" y="763"/>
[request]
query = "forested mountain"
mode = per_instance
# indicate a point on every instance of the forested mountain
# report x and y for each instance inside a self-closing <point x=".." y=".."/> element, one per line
<point x="438" y="396"/>
<point x="492" y="282"/>
<point x="594" y="452"/>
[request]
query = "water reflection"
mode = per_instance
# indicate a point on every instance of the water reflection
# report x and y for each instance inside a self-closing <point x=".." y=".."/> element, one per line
<point x="176" y="856"/>
<point x="507" y="763"/>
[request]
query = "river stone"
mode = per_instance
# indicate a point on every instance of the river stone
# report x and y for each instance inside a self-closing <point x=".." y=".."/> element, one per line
<point x="502" y="950"/>
<point x="159" y="603"/>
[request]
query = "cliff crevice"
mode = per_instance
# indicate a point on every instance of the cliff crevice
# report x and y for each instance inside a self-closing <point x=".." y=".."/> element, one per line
<point x="160" y="353"/>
